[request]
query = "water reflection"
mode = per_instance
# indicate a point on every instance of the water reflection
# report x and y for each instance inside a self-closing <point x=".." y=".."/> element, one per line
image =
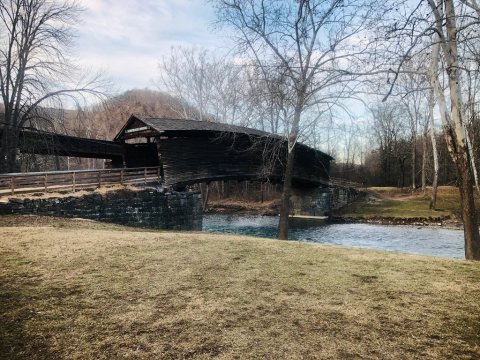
<point x="426" y="241"/>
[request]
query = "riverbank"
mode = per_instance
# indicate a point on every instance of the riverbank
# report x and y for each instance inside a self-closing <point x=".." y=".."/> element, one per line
<point x="236" y="206"/>
<point x="445" y="222"/>
<point x="380" y="206"/>
<point x="82" y="289"/>
<point x="396" y="206"/>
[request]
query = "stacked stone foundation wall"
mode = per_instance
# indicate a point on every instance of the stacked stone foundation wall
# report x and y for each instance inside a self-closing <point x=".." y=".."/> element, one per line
<point x="320" y="201"/>
<point x="148" y="208"/>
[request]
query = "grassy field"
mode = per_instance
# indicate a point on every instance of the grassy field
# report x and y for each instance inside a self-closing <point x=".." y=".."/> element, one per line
<point x="83" y="290"/>
<point x="398" y="203"/>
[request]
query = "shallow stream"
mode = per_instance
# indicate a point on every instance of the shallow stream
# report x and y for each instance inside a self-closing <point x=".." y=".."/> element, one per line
<point x="434" y="241"/>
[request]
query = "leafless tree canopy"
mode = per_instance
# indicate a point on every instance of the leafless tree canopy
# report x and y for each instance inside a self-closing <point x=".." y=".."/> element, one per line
<point x="307" y="54"/>
<point x="36" y="73"/>
<point x="447" y="33"/>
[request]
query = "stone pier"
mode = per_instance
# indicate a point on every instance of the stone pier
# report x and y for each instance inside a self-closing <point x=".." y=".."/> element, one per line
<point x="320" y="201"/>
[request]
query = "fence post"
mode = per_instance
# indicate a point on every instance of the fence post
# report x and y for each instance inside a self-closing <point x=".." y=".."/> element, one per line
<point x="121" y="177"/>
<point x="45" y="181"/>
<point x="158" y="173"/>
<point x="12" y="185"/>
<point x="99" y="178"/>
<point x="145" y="175"/>
<point x="73" y="181"/>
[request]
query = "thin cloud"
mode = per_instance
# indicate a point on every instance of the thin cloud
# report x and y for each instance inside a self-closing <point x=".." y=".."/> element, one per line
<point x="127" y="38"/>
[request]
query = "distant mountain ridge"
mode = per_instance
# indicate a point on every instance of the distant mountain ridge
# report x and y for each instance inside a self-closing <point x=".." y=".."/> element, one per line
<point x="104" y="120"/>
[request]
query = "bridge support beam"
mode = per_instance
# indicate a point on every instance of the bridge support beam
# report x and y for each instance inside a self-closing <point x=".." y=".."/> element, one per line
<point x="320" y="201"/>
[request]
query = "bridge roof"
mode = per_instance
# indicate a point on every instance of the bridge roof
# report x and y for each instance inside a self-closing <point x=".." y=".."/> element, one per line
<point x="173" y="127"/>
<point x="165" y="125"/>
<point x="195" y="125"/>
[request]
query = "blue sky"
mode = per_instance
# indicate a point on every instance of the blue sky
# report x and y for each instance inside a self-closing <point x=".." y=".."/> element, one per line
<point x="127" y="38"/>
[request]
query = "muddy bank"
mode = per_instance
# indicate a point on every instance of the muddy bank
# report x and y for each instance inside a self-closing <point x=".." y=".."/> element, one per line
<point x="446" y="221"/>
<point x="270" y="208"/>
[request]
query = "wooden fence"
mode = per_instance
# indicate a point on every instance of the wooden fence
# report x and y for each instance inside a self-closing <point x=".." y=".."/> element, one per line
<point x="16" y="183"/>
<point x="20" y="183"/>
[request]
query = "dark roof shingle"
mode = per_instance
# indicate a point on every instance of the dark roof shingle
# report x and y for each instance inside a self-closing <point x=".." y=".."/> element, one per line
<point x="163" y="124"/>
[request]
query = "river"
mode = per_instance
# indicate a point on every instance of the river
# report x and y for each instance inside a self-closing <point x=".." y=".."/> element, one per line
<point x="446" y="243"/>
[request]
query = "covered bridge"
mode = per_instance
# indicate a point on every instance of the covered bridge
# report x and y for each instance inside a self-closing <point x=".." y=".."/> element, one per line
<point x="197" y="151"/>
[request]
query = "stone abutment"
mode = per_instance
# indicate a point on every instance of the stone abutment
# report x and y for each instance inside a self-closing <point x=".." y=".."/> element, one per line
<point x="149" y="208"/>
<point x="320" y="201"/>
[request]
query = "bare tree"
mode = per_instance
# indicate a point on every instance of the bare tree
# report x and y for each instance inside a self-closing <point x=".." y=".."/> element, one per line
<point x="446" y="38"/>
<point x="471" y="84"/>
<point x="413" y="85"/>
<point x="433" y="139"/>
<point x="440" y="27"/>
<point x="310" y="45"/>
<point x="268" y="97"/>
<point x="211" y="89"/>
<point x="35" y="71"/>
<point x="231" y="94"/>
<point x="186" y="74"/>
<point x="389" y="131"/>
<point x="416" y="92"/>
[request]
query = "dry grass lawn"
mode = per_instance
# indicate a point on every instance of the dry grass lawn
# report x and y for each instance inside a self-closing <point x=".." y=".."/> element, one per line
<point x="83" y="290"/>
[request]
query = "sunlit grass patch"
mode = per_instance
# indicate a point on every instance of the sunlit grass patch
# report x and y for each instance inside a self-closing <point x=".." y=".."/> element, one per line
<point x="391" y="202"/>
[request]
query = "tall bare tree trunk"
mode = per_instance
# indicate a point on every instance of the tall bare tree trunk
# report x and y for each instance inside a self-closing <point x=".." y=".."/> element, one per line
<point x="470" y="226"/>
<point x="287" y="189"/>
<point x="424" y="162"/>
<point x="414" y="162"/>
<point x="452" y="123"/>
<point x="472" y="159"/>
<point x="462" y="158"/>
<point x="287" y="180"/>
<point x="433" y="139"/>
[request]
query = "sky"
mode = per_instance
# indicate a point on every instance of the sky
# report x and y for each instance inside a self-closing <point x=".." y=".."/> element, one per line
<point x="127" y="38"/>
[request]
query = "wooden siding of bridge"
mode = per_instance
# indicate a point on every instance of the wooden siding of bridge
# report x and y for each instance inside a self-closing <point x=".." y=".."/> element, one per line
<point x="46" y="143"/>
<point x="200" y="151"/>
<point x="205" y="159"/>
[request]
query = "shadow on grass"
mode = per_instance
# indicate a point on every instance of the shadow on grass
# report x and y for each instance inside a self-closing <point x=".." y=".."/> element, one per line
<point x="17" y="317"/>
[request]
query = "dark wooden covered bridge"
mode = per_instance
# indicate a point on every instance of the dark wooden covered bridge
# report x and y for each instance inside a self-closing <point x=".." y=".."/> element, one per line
<point x="189" y="152"/>
<point x="197" y="151"/>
